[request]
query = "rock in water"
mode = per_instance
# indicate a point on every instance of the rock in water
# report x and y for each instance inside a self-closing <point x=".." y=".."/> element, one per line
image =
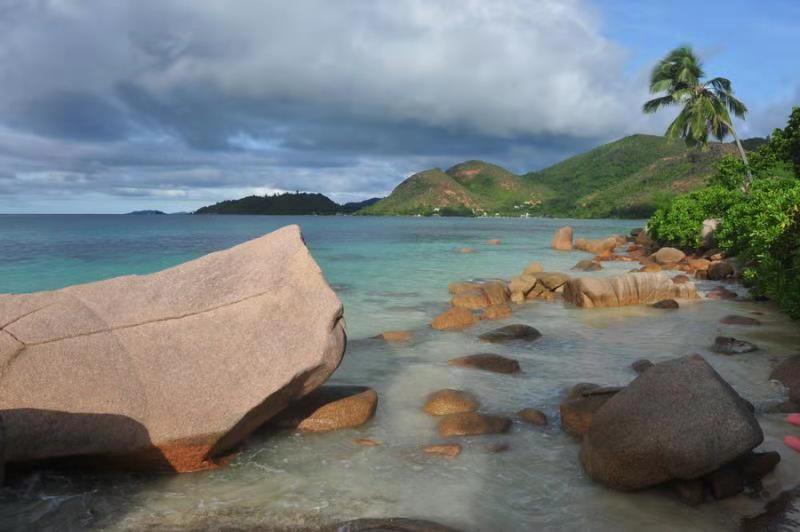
<point x="668" y="256"/>
<point x="330" y="408"/>
<point x="472" y="424"/>
<point x="562" y="240"/>
<point x="390" y="524"/>
<point x="678" y="420"/>
<point x="170" y="369"/>
<point x="727" y="345"/>
<point x="454" y="319"/>
<point x="510" y="333"/>
<point x="627" y="289"/>
<point x="487" y="362"/>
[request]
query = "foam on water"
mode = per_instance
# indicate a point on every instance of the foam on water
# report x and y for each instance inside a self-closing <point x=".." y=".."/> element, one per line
<point x="392" y="273"/>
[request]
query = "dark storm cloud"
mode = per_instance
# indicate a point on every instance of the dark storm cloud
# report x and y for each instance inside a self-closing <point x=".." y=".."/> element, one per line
<point x="192" y="101"/>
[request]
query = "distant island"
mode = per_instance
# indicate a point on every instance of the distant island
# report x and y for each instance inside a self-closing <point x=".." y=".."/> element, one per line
<point x="145" y="213"/>
<point x="627" y="178"/>
<point x="298" y="203"/>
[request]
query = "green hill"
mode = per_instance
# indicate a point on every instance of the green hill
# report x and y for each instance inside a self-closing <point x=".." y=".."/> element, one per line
<point x="299" y="203"/>
<point x="630" y="177"/>
<point x="467" y="189"/>
<point x="626" y="178"/>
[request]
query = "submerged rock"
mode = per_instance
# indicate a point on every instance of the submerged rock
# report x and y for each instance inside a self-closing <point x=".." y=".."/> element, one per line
<point x="667" y="304"/>
<point x="788" y="374"/>
<point x="450" y="401"/>
<point x="533" y="416"/>
<point x="396" y="336"/>
<point x="727" y="345"/>
<point x="454" y="319"/>
<point x="472" y="424"/>
<point x="678" y="420"/>
<point x="330" y="408"/>
<point x="627" y="289"/>
<point x="390" y="524"/>
<point x="588" y="265"/>
<point x="447" y="450"/>
<point x="510" y="333"/>
<point x="562" y="240"/>
<point x="170" y="369"/>
<point x="721" y="293"/>
<point x="487" y="362"/>
<point x="735" y="319"/>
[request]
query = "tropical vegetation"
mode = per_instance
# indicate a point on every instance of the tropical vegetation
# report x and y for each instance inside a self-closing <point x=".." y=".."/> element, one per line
<point x="760" y="225"/>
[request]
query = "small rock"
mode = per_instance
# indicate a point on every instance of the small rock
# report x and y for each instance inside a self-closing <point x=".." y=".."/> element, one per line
<point x="720" y="270"/>
<point x="454" y="319"/>
<point x="650" y="268"/>
<point x="641" y="365"/>
<point x="330" y="408"/>
<point x="509" y="333"/>
<point x="562" y="240"/>
<point x="472" y="424"/>
<point x="727" y="345"/>
<point x="680" y="279"/>
<point x="788" y="374"/>
<point x="755" y="466"/>
<point x="496" y="291"/>
<point x="699" y="264"/>
<point x="458" y="287"/>
<point x="735" y="319"/>
<point x="552" y="280"/>
<point x="368" y="442"/>
<point x="725" y="482"/>
<point x="532" y="416"/>
<point x="471" y="300"/>
<point x="390" y="524"/>
<point x="533" y="268"/>
<point x="494" y="242"/>
<point x="499" y="447"/>
<point x="396" y="336"/>
<point x="720" y="292"/>
<point x="587" y="265"/>
<point x="450" y="401"/>
<point x="690" y="492"/>
<point x="447" y="450"/>
<point x="497" y="312"/>
<point x="466" y="250"/>
<point x="668" y="256"/>
<point x="487" y="362"/>
<point x="668" y="304"/>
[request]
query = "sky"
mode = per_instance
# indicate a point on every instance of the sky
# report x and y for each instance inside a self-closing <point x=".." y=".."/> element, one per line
<point x="113" y="106"/>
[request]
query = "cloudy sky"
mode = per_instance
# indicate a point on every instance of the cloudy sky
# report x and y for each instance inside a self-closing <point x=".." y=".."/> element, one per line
<point x="110" y="106"/>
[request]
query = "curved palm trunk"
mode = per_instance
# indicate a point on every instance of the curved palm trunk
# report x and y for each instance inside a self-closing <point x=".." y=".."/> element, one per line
<point x="749" y="178"/>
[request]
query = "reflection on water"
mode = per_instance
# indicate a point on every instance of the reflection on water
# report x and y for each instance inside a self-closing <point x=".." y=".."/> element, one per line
<point x="292" y="481"/>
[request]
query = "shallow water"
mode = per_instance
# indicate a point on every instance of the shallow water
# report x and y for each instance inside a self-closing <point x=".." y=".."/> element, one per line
<point x="392" y="273"/>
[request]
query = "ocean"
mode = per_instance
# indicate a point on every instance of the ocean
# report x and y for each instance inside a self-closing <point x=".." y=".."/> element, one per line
<point x="392" y="273"/>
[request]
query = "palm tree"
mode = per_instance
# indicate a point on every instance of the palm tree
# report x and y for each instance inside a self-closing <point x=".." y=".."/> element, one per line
<point x="707" y="106"/>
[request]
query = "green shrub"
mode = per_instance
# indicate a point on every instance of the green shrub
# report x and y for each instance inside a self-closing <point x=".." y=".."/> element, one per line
<point x="679" y="224"/>
<point x="763" y="230"/>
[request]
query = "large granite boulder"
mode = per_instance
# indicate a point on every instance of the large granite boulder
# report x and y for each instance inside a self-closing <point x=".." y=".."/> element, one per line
<point x="628" y="289"/>
<point x="677" y="420"/>
<point x="668" y="256"/>
<point x="172" y="368"/>
<point x="601" y="246"/>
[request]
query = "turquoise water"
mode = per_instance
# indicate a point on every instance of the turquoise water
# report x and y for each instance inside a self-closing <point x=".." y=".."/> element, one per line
<point x="392" y="273"/>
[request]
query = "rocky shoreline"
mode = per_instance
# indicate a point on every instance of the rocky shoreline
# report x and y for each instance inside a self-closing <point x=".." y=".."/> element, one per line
<point x="677" y="424"/>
